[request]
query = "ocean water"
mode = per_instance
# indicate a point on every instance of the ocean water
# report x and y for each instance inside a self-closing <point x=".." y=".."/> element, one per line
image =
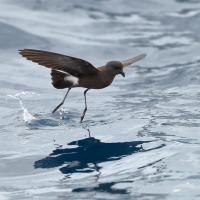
<point x="144" y="129"/>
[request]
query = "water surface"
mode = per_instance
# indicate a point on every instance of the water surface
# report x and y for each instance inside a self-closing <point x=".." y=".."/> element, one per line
<point x="144" y="129"/>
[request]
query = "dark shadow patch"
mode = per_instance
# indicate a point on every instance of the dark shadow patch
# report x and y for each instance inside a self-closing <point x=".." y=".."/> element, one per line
<point x="87" y="153"/>
<point x="84" y="157"/>
<point x="103" y="187"/>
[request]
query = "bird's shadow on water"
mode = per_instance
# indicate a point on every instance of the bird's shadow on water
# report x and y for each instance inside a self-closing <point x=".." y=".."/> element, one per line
<point x="84" y="156"/>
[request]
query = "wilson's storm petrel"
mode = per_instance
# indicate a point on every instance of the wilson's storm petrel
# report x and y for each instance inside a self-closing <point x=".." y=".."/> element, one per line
<point x="69" y="72"/>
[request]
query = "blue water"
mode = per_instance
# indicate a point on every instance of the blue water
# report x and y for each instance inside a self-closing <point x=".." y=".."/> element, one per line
<point x="144" y="129"/>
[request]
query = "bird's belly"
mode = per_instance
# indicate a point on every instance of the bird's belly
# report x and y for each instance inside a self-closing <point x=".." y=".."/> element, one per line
<point x="94" y="82"/>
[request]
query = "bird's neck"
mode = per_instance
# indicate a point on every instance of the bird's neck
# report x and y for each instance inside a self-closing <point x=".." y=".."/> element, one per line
<point x="106" y="78"/>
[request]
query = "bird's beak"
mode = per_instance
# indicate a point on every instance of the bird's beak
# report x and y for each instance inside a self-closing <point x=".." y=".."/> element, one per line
<point x="122" y="73"/>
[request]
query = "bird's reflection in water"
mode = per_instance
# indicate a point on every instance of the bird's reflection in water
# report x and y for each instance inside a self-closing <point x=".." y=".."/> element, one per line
<point x="85" y="154"/>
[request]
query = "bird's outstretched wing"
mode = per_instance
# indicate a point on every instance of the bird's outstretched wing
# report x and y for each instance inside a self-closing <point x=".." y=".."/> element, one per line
<point x="133" y="60"/>
<point x="74" y="66"/>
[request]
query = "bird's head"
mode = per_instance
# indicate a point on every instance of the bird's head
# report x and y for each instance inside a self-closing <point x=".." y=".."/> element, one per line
<point x="115" y="67"/>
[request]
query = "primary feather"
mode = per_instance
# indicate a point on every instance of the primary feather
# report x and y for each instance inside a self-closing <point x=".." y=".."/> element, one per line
<point x="74" y="66"/>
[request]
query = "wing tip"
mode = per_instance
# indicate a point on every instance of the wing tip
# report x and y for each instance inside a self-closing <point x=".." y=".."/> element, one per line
<point x="143" y="55"/>
<point x="133" y="60"/>
<point x="29" y="51"/>
<point x="22" y="51"/>
<point x="140" y="56"/>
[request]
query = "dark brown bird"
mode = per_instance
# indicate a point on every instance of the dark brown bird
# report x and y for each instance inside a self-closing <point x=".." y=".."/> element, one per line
<point x="69" y="72"/>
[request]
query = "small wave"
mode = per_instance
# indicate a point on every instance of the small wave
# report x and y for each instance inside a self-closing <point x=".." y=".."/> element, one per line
<point x="165" y="41"/>
<point x="7" y="31"/>
<point x="185" y="13"/>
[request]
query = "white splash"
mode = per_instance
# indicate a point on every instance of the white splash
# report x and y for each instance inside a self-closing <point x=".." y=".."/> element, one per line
<point x="27" y="116"/>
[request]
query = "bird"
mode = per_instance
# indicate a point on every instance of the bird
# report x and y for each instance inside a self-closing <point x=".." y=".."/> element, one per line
<point x="71" y="72"/>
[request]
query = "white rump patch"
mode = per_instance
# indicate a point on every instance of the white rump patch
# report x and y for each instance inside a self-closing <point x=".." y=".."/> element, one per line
<point x="69" y="78"/>
<point x="72" y="79"/>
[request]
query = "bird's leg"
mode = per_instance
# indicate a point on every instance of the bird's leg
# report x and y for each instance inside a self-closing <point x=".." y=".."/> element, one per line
<point x="83" y="115"/>
<point x="58" y="106"/>
<point x="89" y="132"/>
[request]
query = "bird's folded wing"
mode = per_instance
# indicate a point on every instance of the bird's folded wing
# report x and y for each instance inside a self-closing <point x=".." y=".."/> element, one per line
<point x="74" y="66"/>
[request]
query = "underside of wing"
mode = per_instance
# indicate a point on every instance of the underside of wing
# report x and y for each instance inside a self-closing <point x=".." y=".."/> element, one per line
<point x="74" y="66"/>
<point x="133" y="60"/>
